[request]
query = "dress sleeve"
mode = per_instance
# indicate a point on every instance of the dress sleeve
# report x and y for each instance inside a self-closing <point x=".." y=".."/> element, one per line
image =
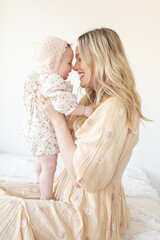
<point x="99" y="144"/>
<point x="60" y="93"/>
<point x="64" y="102"/>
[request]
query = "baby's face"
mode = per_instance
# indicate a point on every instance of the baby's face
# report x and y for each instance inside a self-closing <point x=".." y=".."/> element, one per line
<point x="66" y="63"/>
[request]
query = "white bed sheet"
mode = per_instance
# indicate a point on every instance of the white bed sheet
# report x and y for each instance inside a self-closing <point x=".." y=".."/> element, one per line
<point x="142" y="198"/>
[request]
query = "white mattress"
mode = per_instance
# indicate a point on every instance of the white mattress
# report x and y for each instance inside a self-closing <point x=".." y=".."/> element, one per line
<point x="142" y="198"/>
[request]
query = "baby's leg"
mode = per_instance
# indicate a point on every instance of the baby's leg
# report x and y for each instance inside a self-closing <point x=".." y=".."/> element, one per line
<point x="48" y="165"/>
<point x="38" y="168"/>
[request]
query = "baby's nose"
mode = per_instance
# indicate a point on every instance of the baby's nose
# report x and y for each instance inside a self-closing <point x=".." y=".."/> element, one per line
<point x="71" y="68"/>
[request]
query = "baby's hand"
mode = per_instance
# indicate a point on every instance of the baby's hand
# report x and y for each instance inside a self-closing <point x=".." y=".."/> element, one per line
<point x="88" y="111"/>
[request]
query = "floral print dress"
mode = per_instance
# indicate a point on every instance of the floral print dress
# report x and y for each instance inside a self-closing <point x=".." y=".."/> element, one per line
<point x="38" y="130"/>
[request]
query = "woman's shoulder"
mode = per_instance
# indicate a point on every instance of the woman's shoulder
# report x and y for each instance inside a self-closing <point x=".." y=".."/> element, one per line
<point x="104" y="114"/>
<point x="105" y="109"/>
<point x="112" y="103"/>
<point x="113" y="107"/>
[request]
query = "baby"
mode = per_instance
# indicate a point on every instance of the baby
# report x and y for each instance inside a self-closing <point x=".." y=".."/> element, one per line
<point x="54" y="57"/>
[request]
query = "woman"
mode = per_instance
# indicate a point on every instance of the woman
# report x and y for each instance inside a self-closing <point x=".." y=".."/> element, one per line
<point x="89" y="198"/>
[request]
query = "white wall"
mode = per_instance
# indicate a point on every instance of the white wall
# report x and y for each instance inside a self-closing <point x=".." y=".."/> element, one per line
<point x="137" y="23"/>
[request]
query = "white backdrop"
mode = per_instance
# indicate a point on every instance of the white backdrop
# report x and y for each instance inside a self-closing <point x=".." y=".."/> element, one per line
<point x="136" y="22"/>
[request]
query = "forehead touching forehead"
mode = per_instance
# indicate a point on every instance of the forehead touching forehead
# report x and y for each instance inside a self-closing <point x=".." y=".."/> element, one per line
<point x="68" y="54"/>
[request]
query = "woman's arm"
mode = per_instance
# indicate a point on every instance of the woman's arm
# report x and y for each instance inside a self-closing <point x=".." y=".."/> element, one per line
<point x="64" y="137"/>
<point x="66" y="145"/>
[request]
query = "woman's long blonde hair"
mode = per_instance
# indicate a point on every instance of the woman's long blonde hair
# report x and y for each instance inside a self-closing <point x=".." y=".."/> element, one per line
<point x="111" y="70"/>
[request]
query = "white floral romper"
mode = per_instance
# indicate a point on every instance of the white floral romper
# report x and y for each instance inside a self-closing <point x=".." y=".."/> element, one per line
<point x="38" y="129"/>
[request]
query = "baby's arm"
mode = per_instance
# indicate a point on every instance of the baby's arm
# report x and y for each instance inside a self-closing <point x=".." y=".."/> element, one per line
<point x="82" y="110"/>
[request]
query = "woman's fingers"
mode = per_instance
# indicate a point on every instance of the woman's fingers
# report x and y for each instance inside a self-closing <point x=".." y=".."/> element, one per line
<point x="40" y="96"/>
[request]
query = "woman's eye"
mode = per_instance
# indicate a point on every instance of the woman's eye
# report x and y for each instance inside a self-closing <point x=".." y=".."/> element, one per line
<point x="79" y="59"/>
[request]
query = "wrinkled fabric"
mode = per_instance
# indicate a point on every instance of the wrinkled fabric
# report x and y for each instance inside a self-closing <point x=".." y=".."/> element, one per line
<point x="97" y="210"/>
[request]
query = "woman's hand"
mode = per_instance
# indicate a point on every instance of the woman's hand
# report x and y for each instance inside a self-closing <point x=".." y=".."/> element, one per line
<point x="47" y="107"/>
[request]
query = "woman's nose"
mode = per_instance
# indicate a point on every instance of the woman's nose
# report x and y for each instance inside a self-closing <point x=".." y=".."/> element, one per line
<point x="75" y="67"/>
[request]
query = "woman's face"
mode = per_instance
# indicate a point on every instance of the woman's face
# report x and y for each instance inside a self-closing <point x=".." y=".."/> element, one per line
<point x="83" y="71"/>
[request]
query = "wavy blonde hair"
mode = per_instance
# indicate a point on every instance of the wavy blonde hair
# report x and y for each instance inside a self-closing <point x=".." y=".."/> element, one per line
<point x="111" y="72"/>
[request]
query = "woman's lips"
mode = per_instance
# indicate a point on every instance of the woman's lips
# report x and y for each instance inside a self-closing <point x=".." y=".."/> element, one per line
<point x="81" y="75"/>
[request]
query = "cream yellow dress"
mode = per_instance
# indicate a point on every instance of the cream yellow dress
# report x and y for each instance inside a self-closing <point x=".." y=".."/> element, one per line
<point x="97" y="210"/>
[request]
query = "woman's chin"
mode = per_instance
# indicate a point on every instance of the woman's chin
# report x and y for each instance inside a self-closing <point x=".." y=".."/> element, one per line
<point x="82" y="85"/>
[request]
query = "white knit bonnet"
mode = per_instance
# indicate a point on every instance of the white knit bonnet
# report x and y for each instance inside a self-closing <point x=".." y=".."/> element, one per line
<point x="48" y="53"/>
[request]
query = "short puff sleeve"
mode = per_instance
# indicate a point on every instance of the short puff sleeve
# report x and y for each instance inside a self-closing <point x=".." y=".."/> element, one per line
<point x="59" y="92"/>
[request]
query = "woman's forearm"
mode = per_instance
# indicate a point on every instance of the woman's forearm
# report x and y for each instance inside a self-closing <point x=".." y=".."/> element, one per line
<point x="66" y="145"/>
<point x="64" y="138"/>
